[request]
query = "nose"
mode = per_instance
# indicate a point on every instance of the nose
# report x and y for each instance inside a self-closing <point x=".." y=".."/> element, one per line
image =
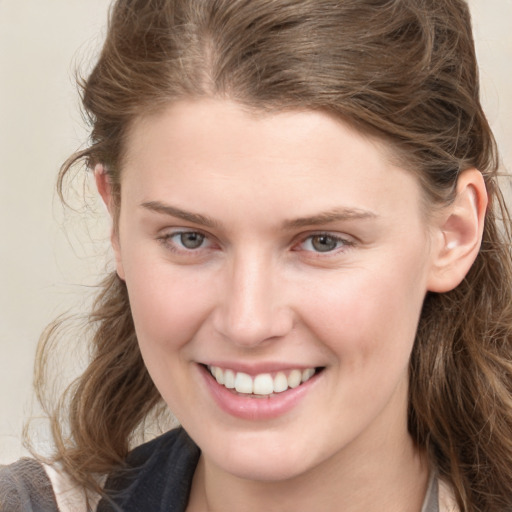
<point x="252" y="308"/>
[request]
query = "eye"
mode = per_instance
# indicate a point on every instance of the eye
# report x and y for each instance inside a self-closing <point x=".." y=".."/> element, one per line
<point x="190" y="239"/>
<point x="324" y="242"/>
<point x="185" y="241"/>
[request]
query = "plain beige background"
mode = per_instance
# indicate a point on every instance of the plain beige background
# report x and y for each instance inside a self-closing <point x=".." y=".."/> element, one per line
<point x="48" y="259"/>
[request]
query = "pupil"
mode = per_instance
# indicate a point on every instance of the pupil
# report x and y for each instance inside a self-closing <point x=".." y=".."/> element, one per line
<point x="191" y="240"/>
<point x="324" y="243"/>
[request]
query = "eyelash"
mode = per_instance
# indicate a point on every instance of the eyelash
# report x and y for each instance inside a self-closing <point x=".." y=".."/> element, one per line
<point x="342" y="243"/>
<point x="167" y="241"/>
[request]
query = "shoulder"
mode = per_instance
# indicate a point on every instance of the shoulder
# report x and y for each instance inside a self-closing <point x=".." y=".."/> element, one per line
<point x="25" y="487"/>
<point x="157" y="475"/>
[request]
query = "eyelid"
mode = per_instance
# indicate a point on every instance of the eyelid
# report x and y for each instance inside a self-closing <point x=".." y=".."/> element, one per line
<point x="166" y="235"/>
<point x="346" y="241"/>
<point x="165" y="238"/>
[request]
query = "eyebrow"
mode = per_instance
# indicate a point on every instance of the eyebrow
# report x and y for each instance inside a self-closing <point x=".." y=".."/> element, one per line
<point x="335" y="215"/>
<point x="195" y="218"/>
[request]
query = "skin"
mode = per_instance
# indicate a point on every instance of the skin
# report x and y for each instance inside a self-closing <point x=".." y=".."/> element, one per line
<point x="258" y="291"/>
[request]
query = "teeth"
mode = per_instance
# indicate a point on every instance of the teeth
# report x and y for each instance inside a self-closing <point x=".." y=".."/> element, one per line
<point x="262" y="384"/>
<point x="243" y="383"/>
<point x="219" y="375"/>
<point x="280" y="382"/>
<point x="229" y="379"/>
<point x="307" y="374"/>
<point x="294" y="378"/>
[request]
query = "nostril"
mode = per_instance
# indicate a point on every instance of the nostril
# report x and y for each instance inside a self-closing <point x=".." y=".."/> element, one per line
<point x="253" y="330"/>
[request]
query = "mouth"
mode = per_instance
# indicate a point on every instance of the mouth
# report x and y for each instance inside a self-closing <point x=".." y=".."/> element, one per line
<point x="263" y="385"/>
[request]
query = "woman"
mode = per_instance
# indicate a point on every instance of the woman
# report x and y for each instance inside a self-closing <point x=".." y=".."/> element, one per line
<point x="309" y="270"/>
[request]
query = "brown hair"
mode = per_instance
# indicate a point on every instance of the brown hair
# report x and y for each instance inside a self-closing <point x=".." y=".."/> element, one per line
<point x="404" y="70"/>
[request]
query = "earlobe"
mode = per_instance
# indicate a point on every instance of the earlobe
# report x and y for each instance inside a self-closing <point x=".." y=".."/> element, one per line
<point x="105" y="190"/>
<point x="459" y="233"/>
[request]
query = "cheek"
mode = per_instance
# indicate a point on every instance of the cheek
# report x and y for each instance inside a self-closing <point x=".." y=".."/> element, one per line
<point x="167" y="311"/>
<point x="368" y="316"/>
<point x="168" y="305"/>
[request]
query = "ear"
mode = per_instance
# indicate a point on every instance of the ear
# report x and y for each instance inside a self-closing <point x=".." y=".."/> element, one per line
<point x="458" y="233"/>
<point x="105" y="190"/>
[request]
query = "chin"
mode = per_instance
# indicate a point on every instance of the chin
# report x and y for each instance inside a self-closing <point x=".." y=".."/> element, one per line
<point x="261" y="461"/>
<point x="268" y="470"/>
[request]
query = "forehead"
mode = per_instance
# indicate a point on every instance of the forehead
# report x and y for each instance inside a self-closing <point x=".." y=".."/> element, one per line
<point x="208" y="120"/>
<point x="297" y="158"/>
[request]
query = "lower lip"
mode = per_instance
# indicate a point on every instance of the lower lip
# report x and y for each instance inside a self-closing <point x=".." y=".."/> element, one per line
<point x="250" y="408"/>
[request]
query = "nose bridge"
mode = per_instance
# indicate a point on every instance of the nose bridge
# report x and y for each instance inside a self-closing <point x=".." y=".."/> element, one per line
<point x="252" y="308"/>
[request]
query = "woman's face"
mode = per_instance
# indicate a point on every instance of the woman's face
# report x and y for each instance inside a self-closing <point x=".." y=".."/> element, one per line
<point x="273" y="249"/>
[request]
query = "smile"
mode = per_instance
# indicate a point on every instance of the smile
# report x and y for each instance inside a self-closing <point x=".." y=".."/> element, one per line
<point x="263" y="384"/>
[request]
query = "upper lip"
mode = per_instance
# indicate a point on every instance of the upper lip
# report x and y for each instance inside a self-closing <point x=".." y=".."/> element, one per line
<point x="258" y="368"/>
